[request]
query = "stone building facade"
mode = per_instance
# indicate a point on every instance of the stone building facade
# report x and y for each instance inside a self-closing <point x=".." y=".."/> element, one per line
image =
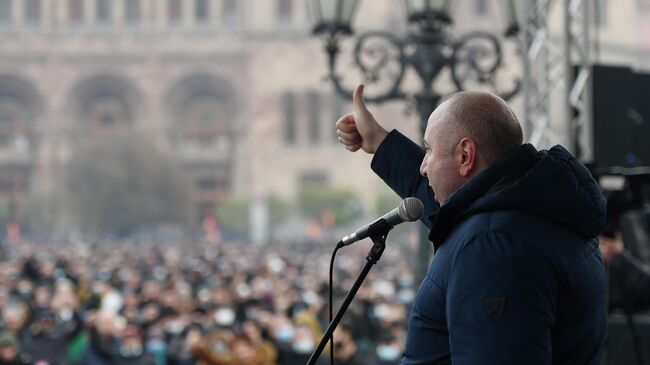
<point x="234" y="89"/>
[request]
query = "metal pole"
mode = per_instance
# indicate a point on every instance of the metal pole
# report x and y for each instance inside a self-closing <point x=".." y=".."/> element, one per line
<point x="571" y="128"/>
<point x="587" y="131"/>
<point x="527" y="79"/>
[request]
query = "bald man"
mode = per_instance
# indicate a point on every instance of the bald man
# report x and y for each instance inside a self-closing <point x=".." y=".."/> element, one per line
<point x="517" y="277"/>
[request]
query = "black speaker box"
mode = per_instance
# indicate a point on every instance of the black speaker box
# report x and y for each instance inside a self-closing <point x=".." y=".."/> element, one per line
<point x="621" y="117"/>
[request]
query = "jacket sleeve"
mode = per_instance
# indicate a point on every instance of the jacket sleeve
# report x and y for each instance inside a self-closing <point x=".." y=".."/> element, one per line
<point x="397" y="162"/>
<point x="634" y="280"/>
<point x="499" y="304"/>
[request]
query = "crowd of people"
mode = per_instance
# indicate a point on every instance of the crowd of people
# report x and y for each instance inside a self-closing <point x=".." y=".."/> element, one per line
<point x="125" y="302"/>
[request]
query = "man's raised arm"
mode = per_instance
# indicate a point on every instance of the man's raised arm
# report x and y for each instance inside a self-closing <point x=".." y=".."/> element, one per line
<point x="397" y="159"/>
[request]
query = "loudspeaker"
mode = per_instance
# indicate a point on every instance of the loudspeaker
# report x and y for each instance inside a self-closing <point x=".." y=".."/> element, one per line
<point x="621" y="117"/>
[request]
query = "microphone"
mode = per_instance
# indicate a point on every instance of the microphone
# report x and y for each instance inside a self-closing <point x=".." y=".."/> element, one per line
<point x="408" y="211"/>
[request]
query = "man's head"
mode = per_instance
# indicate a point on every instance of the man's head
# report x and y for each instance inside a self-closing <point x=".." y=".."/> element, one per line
<point x="8" y="347"/>
<point x="464" y="135"/>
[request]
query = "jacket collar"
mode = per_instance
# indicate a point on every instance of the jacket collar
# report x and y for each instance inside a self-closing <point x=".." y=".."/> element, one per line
<point x="498" y="175"/>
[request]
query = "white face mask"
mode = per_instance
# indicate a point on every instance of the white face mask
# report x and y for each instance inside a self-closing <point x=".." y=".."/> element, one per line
<point x="387" y="353"/>
<point x="175" y="327"/>
<point x="130" y="352"/>
<point x="284" y="334"/>
<point x="65" y="314"/>
<point x="381" y="310"/>
<point x="156" y="345"/>
<point x="224" y="317"/>
<point x="406" y="280"/>
<point x="304" y="346"/>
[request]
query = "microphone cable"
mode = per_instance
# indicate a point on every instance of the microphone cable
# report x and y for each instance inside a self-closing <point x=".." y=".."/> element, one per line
<point x="331" y="295"/>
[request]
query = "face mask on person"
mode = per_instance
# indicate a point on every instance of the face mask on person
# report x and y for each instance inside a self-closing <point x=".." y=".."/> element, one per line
<point x="224" y="317"/>
<point x="219" y="347"/>
<point x="131" y="351"/>
<point x="387" y="353"/>
<point x="25" y="287"/>
<point x="156" y="346"/>
<point x="65" y="314"/>
<point x="284" y="334"/>
<point x="304" y="346"/>
<point x="405" y="296"/>
<point x="175" y="327"/>
<point x="406" y="281"/>
<point x="381" y="311"/>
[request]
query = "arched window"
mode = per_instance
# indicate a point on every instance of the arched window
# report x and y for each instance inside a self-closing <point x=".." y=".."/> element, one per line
<point x="202" y="108"/>
<point x="107" y="112"/>
<point x="104" y="103"/>
<point x="205" y="118"/>
<point x="14" y="124"/>
<point x="19" y="105"/>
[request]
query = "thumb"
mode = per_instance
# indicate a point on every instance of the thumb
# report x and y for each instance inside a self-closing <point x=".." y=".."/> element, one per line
<point x="358" y="102"/>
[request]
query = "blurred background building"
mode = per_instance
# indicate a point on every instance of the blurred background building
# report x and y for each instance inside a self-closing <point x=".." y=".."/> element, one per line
<point x="215" y="118"/>
<point x="234" y="91"/>
<point x="231" y="89"/>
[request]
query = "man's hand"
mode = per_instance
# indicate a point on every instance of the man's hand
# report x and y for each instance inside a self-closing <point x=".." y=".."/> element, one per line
<point x="360" y="129"/>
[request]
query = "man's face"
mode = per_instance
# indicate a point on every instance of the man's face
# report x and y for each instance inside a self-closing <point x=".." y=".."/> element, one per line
<point x="440" y="165"/>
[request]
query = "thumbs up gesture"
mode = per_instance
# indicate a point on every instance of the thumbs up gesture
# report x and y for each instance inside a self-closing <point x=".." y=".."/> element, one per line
<point x="360" y="129"/>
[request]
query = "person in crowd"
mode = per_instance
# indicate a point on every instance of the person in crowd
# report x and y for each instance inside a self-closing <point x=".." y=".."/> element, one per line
<point x="14" y="317"/>
<point x="268" y="354"/>
<point x="115" y="302"/>
<point x="517" y="276"/>
<point x="630" y="273"/>
<point x="10" y="350"/>
<point x="131" y="350"/>
<point x="48" y="333"/>
<point x="388" y="350"/>
<point x="103" y="343"/>
<point x="345" y="347"/>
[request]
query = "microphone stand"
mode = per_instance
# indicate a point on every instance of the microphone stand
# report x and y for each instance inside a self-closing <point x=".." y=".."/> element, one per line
<point x="379" y="244"/>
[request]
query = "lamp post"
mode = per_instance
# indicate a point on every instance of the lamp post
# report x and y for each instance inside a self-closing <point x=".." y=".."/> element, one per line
<point x="473" y="60"/>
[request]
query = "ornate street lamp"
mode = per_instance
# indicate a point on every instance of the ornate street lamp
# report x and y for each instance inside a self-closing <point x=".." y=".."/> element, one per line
<point x="474" y="59"/>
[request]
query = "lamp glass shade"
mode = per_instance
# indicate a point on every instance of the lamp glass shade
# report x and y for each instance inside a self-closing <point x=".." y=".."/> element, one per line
<point x="421" y="8"/>
<point x="332" y="15"/>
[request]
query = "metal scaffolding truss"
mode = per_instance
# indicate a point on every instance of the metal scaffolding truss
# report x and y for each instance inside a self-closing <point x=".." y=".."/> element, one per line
<point x="557" y="76"/>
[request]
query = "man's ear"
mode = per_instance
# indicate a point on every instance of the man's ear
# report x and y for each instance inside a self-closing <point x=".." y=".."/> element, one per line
<point x="468" y="157"/>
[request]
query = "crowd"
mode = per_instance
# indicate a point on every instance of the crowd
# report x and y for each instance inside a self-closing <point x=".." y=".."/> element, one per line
<point x="170" y="304"/>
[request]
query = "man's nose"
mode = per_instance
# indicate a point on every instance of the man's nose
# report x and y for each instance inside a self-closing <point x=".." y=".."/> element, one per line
<point x="423" y="165"/>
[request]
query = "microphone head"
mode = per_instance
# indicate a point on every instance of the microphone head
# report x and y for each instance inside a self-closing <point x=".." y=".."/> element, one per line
<point x="411" y="209"/>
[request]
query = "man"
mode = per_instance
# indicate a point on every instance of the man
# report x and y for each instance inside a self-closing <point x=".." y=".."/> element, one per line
<point x="9" y="350"/>
<point x="629" y="273"/>
<point x="131" y="350"/>
<point x="517" y="277"/>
